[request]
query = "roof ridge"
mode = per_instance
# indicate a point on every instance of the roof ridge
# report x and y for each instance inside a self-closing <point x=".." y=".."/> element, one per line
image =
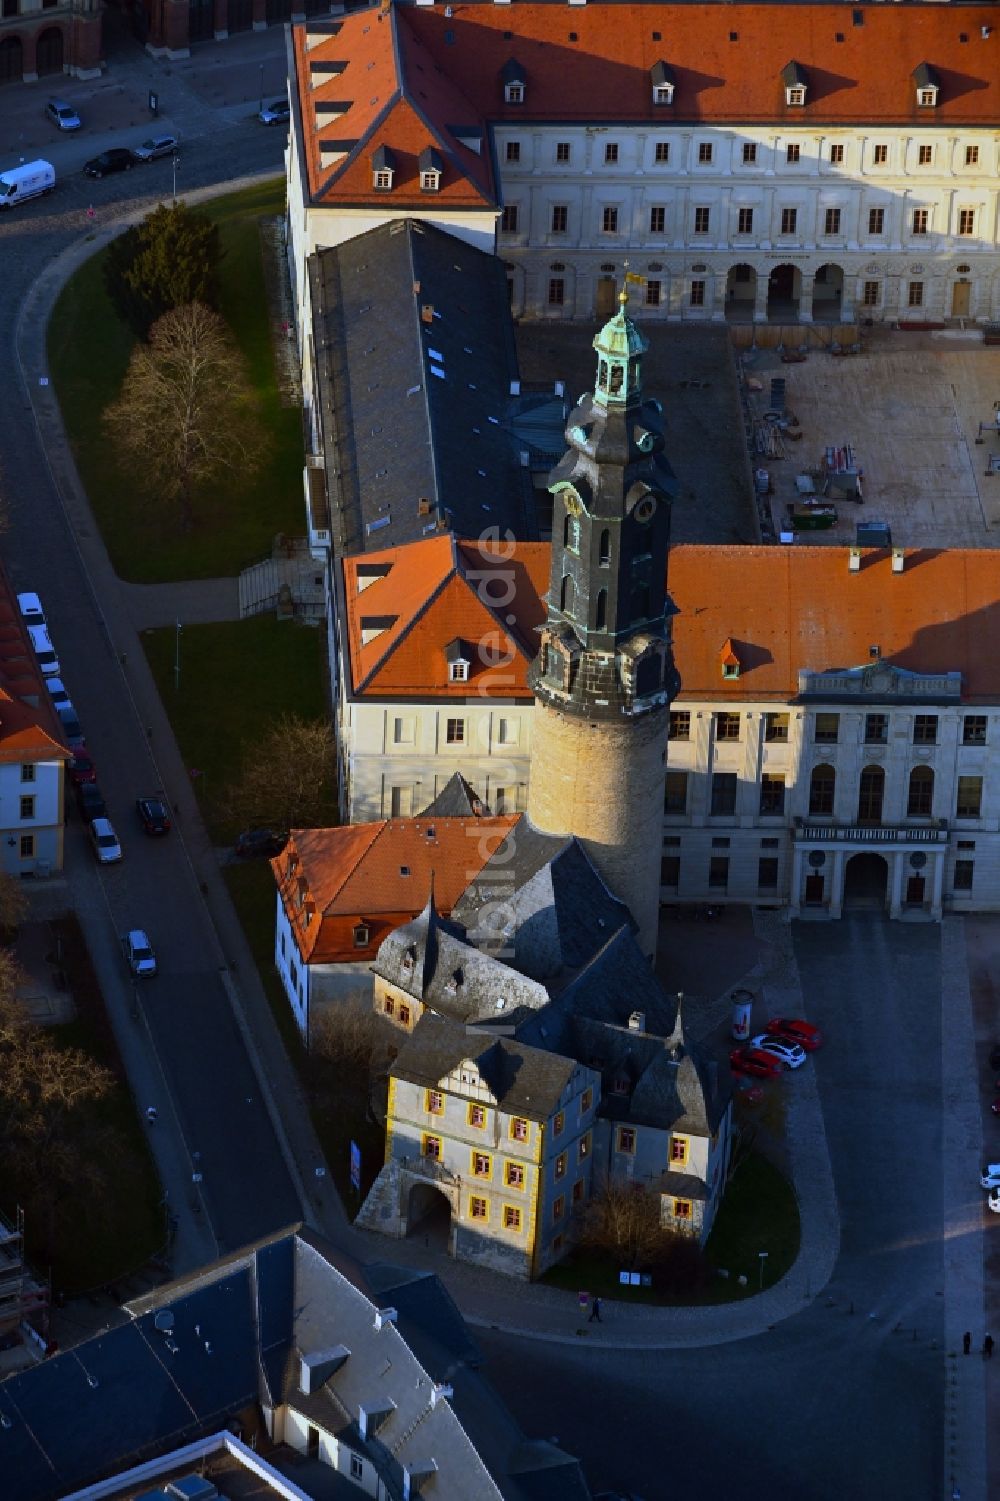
<point x="378" y="827"/>
<point x="421" y="113"/>
<point x="503" y="622"/>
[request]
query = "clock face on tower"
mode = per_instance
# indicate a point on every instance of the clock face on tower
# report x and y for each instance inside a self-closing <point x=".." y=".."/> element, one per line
<point x="645" y="509"/>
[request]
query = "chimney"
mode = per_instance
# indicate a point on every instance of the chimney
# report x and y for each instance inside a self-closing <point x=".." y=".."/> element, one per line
<point x="384" y="1316"/>
<point x="897" y="560"/>
<point x="637" y="1021"/>
<point x="854" y="560"/>
<point x="440" y="1393"/>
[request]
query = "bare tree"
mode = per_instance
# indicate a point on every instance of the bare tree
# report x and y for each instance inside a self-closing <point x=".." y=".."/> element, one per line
<point x="287" y="777"/>
<point x="349" y="1032"/>
<point x="13" y="903"/>
<point x="624" y="1220"/>
<point x="185" y="412"/>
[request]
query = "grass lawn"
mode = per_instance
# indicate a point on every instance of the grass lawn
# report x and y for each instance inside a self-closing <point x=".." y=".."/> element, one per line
<point x="236" y="518"/>
<point x="235" y="679"/>
<point x="90" y="1241"/>
<point x="758" y="1213"/>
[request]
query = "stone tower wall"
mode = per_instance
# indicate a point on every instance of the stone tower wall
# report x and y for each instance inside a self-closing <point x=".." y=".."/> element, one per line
<point x="603" y="782"/>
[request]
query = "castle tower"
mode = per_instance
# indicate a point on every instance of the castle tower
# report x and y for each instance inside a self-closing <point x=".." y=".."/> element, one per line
<point x="604" y="675"/>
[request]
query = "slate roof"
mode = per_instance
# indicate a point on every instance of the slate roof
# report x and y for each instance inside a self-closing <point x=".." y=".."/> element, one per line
<point x="523" y="1080"/>
<point x="377" y="874"/>
<point x="428" y="959"/>
<point x="423" y="597"/>
<point x="776" y="604"/>
<point x="414" y="358"/>
<point x="554" y="907"/>
<point x="457" y="799"/>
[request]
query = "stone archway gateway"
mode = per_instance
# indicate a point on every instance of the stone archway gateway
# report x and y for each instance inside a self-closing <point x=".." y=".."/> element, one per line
<point x="11" y="60"/>
<point x="866" y="882"/>
<point x="428" y="1213"/>
<point x="741" y="293"/>
<point x="828" y="294"/>
<point x="784" y="288"/>
<point x="49" y="51"/>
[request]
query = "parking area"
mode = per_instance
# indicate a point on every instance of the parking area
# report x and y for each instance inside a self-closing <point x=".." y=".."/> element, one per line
<point x="910" y="405"/>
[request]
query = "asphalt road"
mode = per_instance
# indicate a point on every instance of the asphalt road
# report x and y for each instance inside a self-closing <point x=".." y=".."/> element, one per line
<point x="833" y="1403"/>
<point x="246" y="1190"/>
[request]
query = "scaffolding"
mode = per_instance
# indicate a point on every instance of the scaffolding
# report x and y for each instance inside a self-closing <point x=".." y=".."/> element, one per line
<point x="23" y="1300"/>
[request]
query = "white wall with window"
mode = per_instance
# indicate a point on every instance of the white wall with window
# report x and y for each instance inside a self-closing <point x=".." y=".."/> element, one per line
<point x="31" y="817"/>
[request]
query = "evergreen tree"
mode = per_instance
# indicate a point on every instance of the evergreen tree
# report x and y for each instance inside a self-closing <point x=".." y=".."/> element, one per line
<point x="169" y="260"/>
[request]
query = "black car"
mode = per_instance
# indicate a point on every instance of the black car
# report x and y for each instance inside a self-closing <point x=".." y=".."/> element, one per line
<point x="71" y="727"/>
<point x="90" y="801"/>
<point x="153" y="814"/>
<point x="259" y="842"/>
<point x="115" y="160"/>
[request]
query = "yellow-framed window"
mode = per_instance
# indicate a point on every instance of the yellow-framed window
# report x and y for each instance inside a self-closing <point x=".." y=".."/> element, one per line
<point x="513" y="1175"/>
<point x="482" y="1165"/>
<point x="512" y="1218"/>
<point x="679" y="1151"/>
<point x="477" y="1117"/>
<point x="431" y="1147"/>
<point x="479" y="1208"/>
<point x="560" y="1165"/>
<point x="682" y="1209"/>
<point x="518" y="1129"/>
<point x="434" y="1102"/>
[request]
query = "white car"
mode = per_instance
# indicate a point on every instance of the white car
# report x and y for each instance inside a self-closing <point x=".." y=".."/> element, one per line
<point x="139" y="954"/>
<point x="60" y="698"/>
<point x="993" y="1202"/>
<point x="788" y="1053"/>
<point x="31" y="610"/>
<point x="105" y="841"/>
<point x="41" y="643"/>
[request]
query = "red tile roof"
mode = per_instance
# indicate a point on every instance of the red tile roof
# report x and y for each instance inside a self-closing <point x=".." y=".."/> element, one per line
<point x="786" y="608"/>
<point x="604" y="73"/>
<point x="389" y="93"/>
<point x="436" y="592"/>
<point x="354" y="875"/>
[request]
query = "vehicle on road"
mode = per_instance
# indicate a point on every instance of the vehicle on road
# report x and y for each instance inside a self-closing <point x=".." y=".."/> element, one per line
<point x="81" y="768"/>
<point x="991" y="1175"/>
<point x="155" y="147"/>
<point x="259" y="842"/>
<point x="804" y="1033"/>
<point x="57" y="689"/>
<point x="754" y="1061"/>
<point x="105" y="841"/>
<point x="745" y="1090"/>
<point x="71" y="726"/>
<point x="787" y="1053"/>
<point x="117" y="159"/>
<point x="62" y="115"/>
<point x="153" y="815"/>
<point x="42" y="646"/>
<point x="27" y="180"/>
<point x="138" y="953"/>
<point x="31" y="610"/>
<point x="90" y="801"/>
<point x="278" y="112"/>
<point x="993" y="1202"/>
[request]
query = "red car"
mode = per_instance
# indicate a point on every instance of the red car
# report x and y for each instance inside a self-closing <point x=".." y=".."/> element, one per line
<point x="80" y="768"/>
<point x="804" y="1033"/>
<point x="754" y="1061"/>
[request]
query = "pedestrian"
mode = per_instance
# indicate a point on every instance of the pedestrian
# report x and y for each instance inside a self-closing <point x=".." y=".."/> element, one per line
<point x="595" y="1310"/>
<point x="966" y="1343"/>
<point x="988" y="1347"/>
<point x="151" y="1114"/>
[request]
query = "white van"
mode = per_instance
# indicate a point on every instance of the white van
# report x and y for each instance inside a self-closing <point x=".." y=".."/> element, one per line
<point x="26" y="181"/>
<point x="38" y="635"/>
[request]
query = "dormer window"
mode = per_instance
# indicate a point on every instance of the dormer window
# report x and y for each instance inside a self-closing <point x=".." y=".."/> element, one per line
<point x="459" y="658"/>
<point x="663" y="83"/>
<point x="793" y="76"/>
<point x="361" y="935"/>
<point x="431" y="166"/>
<point x="730" y="661"/>
<point x="513" y="79"/>
<point x="383" y="170"/>
<point x="927" y="85"/>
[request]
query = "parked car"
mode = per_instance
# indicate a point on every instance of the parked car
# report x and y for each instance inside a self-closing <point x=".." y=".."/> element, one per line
<point x="153" y="815"/>
<point x="278" y="112"/>
<point x="804" y="1033"/>
<point x="259" y="842"/>
<point x="138" y="953"/>
<point x="62" y="115"/>
<point x="117" y="159"/>
<point x="105" y="841"/>
<point x="42" y="646"/>
<point x="746" y="1090"/>
<point x="993" y="1202"/>
<point x="990" y="1176"/>
<point x="787" y="1053"/>
<point x="71" y="726"/>
<point x="81" y="768"/>
<point x="60" y="698"/>
<point x="754" y="1061"/>
<point x="156" y="146"/>
<point x="31" y="610"/>
<point x="90" y="801"/>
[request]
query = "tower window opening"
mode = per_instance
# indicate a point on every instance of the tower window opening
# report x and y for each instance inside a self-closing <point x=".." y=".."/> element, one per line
<point x="567" y="595"/>
<point x="604" y="552"/>
<point x="601" y="618"/>
<point x="617" y="379"/>
<point x="571" y="534"/>
<point x="602" y="375"/>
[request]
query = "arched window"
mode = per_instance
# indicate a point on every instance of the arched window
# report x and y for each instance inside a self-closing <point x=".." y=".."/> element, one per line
<point x="648" y="675"/>
<point x="604" y="556"/>
<point x="617" y="378"/>
<point x="870" y="794"/>
<point x="601" y="619"/>
<point x="602" y="375"/>
<point x="822" y="785"/>
<point x="567" y="595"/>
<point x="571" y="533"/>
<point x="921" y="794"/>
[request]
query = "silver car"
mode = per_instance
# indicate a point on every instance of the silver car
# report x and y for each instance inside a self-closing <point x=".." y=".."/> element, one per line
<point x="62" y="115"/>
<point x="156" y="146"/>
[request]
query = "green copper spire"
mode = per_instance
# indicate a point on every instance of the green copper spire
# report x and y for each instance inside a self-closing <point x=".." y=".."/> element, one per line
<point x="619" y="347"/>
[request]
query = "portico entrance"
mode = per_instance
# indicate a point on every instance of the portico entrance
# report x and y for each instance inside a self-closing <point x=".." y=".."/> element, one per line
<point x="866" y="881"/>
<point x="428" y="1214"/>
<point x="784" y="288"/>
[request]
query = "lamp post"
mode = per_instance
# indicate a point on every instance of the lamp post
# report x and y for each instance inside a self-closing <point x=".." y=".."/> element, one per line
<point x="762" y="1256"/>
<point x="175" y="176"/>
<point x="260" y="90"/>
<point x="177" y="657"/>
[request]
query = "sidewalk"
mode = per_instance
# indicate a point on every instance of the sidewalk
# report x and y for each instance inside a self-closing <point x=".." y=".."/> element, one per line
<point x="486" y="1299"/>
